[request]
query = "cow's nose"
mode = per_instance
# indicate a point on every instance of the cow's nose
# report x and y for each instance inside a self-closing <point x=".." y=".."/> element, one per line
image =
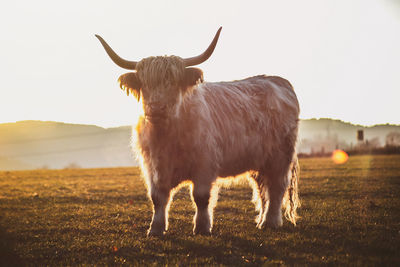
<point x="157" y="107"/>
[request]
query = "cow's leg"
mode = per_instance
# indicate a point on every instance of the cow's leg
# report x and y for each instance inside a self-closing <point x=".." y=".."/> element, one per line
<point x="263" y="208"/>
<point x="160" y="199"/>
<point x="260" y="197"/>
<point x="201" y="194"/>
<point x="277" y="183"/>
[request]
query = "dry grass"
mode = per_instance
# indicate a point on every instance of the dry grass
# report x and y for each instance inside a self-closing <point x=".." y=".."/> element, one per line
<point x="350" y="216"/>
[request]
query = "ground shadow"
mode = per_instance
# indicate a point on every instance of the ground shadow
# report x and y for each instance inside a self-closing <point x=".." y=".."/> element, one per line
<point x="8" y="257"/>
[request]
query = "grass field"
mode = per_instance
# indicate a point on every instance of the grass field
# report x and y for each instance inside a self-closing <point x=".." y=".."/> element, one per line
<point x="350" y="216"/>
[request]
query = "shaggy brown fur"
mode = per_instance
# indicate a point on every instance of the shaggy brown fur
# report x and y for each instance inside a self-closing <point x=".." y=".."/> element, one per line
<point x="154" y="72"/>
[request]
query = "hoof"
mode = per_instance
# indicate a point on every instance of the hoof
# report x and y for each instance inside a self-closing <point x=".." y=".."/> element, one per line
<point x="155" y="233"/>
<point x="204" y="232"/>
<point x="274" y="222"/>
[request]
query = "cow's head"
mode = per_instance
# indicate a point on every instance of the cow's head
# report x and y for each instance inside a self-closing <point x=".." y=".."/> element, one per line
<point x="160" y="81"/>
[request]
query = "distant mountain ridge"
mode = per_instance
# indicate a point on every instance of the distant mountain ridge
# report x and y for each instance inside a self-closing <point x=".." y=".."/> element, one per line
<point x="329" y="134"/>
<point x="44" y="144"/>
<point x="47" y="144"/>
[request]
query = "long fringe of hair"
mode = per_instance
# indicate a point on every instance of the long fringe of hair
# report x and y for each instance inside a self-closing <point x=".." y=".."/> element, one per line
<point x="291" y="199"/>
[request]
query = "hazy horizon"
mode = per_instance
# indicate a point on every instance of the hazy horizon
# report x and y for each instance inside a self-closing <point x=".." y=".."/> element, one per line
<point x="129" y="125"/>
<point x="342" y="57"/>
<point x="39" y="144"/>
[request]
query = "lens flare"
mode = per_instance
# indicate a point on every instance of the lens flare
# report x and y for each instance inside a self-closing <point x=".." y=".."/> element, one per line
<point x="339" y="156"/>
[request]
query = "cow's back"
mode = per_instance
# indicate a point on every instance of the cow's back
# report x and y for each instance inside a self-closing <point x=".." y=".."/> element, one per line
<point x="242" y="123"/>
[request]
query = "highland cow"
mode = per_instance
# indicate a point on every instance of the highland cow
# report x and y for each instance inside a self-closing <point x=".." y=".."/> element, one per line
<point x="195" y="131"/>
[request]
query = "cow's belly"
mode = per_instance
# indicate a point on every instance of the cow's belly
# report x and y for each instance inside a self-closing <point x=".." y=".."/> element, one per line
<point x="238" y="164"/>
<point x="232" y="171"/>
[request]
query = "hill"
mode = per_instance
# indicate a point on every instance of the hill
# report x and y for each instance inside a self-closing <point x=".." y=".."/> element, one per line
<point x="329" y="134"/>
<point x="58" y="145"/>
<point x="13" y="164"/>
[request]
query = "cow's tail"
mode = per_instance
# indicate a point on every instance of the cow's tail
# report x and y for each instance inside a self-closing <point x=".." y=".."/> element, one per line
<point x="292" y="200"/>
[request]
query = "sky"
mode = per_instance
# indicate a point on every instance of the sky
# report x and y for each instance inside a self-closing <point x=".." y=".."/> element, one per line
<point x="342" y="57"/>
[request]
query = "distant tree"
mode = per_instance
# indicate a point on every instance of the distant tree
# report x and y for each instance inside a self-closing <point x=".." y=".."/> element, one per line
<point x="44" y="167"/>
<point x="72" y="165"/>
<point x="374" y="143"/>
<point x="393" y="139"/>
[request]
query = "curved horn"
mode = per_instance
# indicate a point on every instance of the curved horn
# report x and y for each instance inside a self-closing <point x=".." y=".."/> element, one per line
<point x="206" y="54"/>
<point x="130" y="65"/>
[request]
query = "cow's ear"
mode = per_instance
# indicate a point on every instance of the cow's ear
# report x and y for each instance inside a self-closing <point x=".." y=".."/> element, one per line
<point x="193" y="76"/>
<point x="130" y="83"/>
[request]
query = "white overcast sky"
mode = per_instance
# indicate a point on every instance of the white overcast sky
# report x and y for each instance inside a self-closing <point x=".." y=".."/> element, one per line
<point x="342" y="56"/>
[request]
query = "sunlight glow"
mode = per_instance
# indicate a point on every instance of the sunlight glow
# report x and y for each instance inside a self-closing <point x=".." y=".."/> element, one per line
<point x="339" y="156"/>
<point x="138" y="110"/>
